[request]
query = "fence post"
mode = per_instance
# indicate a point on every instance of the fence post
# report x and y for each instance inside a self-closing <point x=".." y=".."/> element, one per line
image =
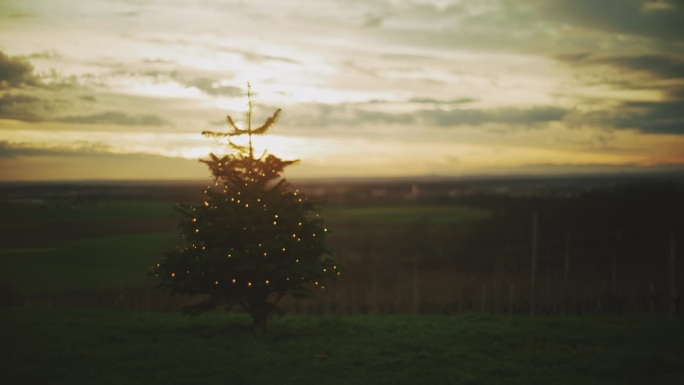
<point x="374" y="292"/>
<point x="483" y="298"/>
<point x="674" y="307"/>
<point x="652" y="296"/>
<point x="615" y="265"/>
<point x="416" y="291"/>
<point x="511" y="298"/>
<point x="533" y="293"/>
<point x="566" y="273"/>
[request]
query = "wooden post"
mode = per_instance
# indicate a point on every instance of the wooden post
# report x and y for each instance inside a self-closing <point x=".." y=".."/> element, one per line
<point x="566" y="273"/>
<point x="533" y="291"/>
<point x="652" y="296"/>
<point x="674" y="295"/>
<point x="416" y="292"/>
<point x="397" y="292"/>
<point x="483" y="298"/>
<point x="511" y="297"/>
<point x="615" y="266"/>
<point x="374" y="292"/>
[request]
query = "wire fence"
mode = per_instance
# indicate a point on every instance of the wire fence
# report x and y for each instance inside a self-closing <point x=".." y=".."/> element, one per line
<point x="606" y="272"/>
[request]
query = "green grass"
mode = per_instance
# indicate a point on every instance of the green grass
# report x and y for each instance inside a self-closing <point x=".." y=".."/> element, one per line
<point x="96" y="262"/>
<point x="71" y="346"/>
<point x="21" y="215"/>
<point x="402" y="214"/>
<point x="82" y="262"/>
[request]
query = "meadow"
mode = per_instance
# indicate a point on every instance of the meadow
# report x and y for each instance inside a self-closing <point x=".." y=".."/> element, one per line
<point x="106" y="246"/>
<point x="85" y="346"/>
<point x="112" y="243"/>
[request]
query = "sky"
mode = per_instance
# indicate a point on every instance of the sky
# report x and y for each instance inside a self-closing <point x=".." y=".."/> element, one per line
<point x="122" y="89"/>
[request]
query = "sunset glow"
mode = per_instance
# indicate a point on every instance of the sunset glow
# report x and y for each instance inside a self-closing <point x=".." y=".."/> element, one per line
<point x="112" y="89"/>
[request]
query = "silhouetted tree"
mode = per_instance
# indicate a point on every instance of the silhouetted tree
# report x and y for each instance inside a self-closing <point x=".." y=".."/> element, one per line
<point x="253" y="240"/>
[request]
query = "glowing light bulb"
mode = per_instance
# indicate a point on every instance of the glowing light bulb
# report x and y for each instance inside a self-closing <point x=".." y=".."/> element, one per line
<point x="173" y="275"/>
<point x="233" y="281"/>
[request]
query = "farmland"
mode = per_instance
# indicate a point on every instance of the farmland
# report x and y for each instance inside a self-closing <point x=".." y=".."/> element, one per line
<point x="436" y="290"/>
<point x="607" y="251"/>
<point x="112" y="243"/>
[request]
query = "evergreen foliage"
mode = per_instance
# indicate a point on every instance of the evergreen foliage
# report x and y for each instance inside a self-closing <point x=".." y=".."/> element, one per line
<point x="253" y="240"/>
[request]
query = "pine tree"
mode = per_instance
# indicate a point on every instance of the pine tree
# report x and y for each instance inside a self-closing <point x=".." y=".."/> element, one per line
<point x="253" y="240"/>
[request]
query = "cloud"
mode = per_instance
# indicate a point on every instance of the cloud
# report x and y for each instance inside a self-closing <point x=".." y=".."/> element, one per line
<point x="665" y="74"/>
<point x="23" y="161"/>
<point x="476" y="117"/>
<point x="633" y="17"/>
<point x="115" y="117"/>
<point x="213" y="87"/>
<point x="23" y="107"/>
<point x="16" y="72"/>
<point x="14" y="150"/>
<point x="438" y="101"/>
<point x="648" y="117"/>
<point x="354" y="114"/>
<point x="662" y="66"/>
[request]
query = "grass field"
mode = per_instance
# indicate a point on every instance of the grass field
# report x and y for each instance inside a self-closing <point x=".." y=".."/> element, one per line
<point x="70" y="346"/>
<point x="403" y="214"/>
<point x="94" y="262"/>
<point x="113" y="243"/>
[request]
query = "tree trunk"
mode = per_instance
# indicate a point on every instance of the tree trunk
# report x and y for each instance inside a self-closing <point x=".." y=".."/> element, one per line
<point x="259" y="323"/>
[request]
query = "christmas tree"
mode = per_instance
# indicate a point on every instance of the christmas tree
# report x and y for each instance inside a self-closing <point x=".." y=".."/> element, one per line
<point x="253" y="240"/>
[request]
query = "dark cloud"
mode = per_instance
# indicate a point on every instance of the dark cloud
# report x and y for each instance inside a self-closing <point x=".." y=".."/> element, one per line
<point x="23" y="107"/>
<point x="43" y="55"/>
<point x="653" y="117"/>
<point x="365" y="116"/>
<point x="14" y="150"/>
<point x="633" y="17"/>
<point x="115" y="117"/>
<point x="662" y="66"/>
<point x="16" y="72"/>
<point x="323" y="115"/>
<point x="213" y="87"/>
<point x="475" y="117"/>
<point x="665" y="72"/>
<point x="438" y="101"/>
<point x="648" y="117"/>
<point x="255" y="57"/>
